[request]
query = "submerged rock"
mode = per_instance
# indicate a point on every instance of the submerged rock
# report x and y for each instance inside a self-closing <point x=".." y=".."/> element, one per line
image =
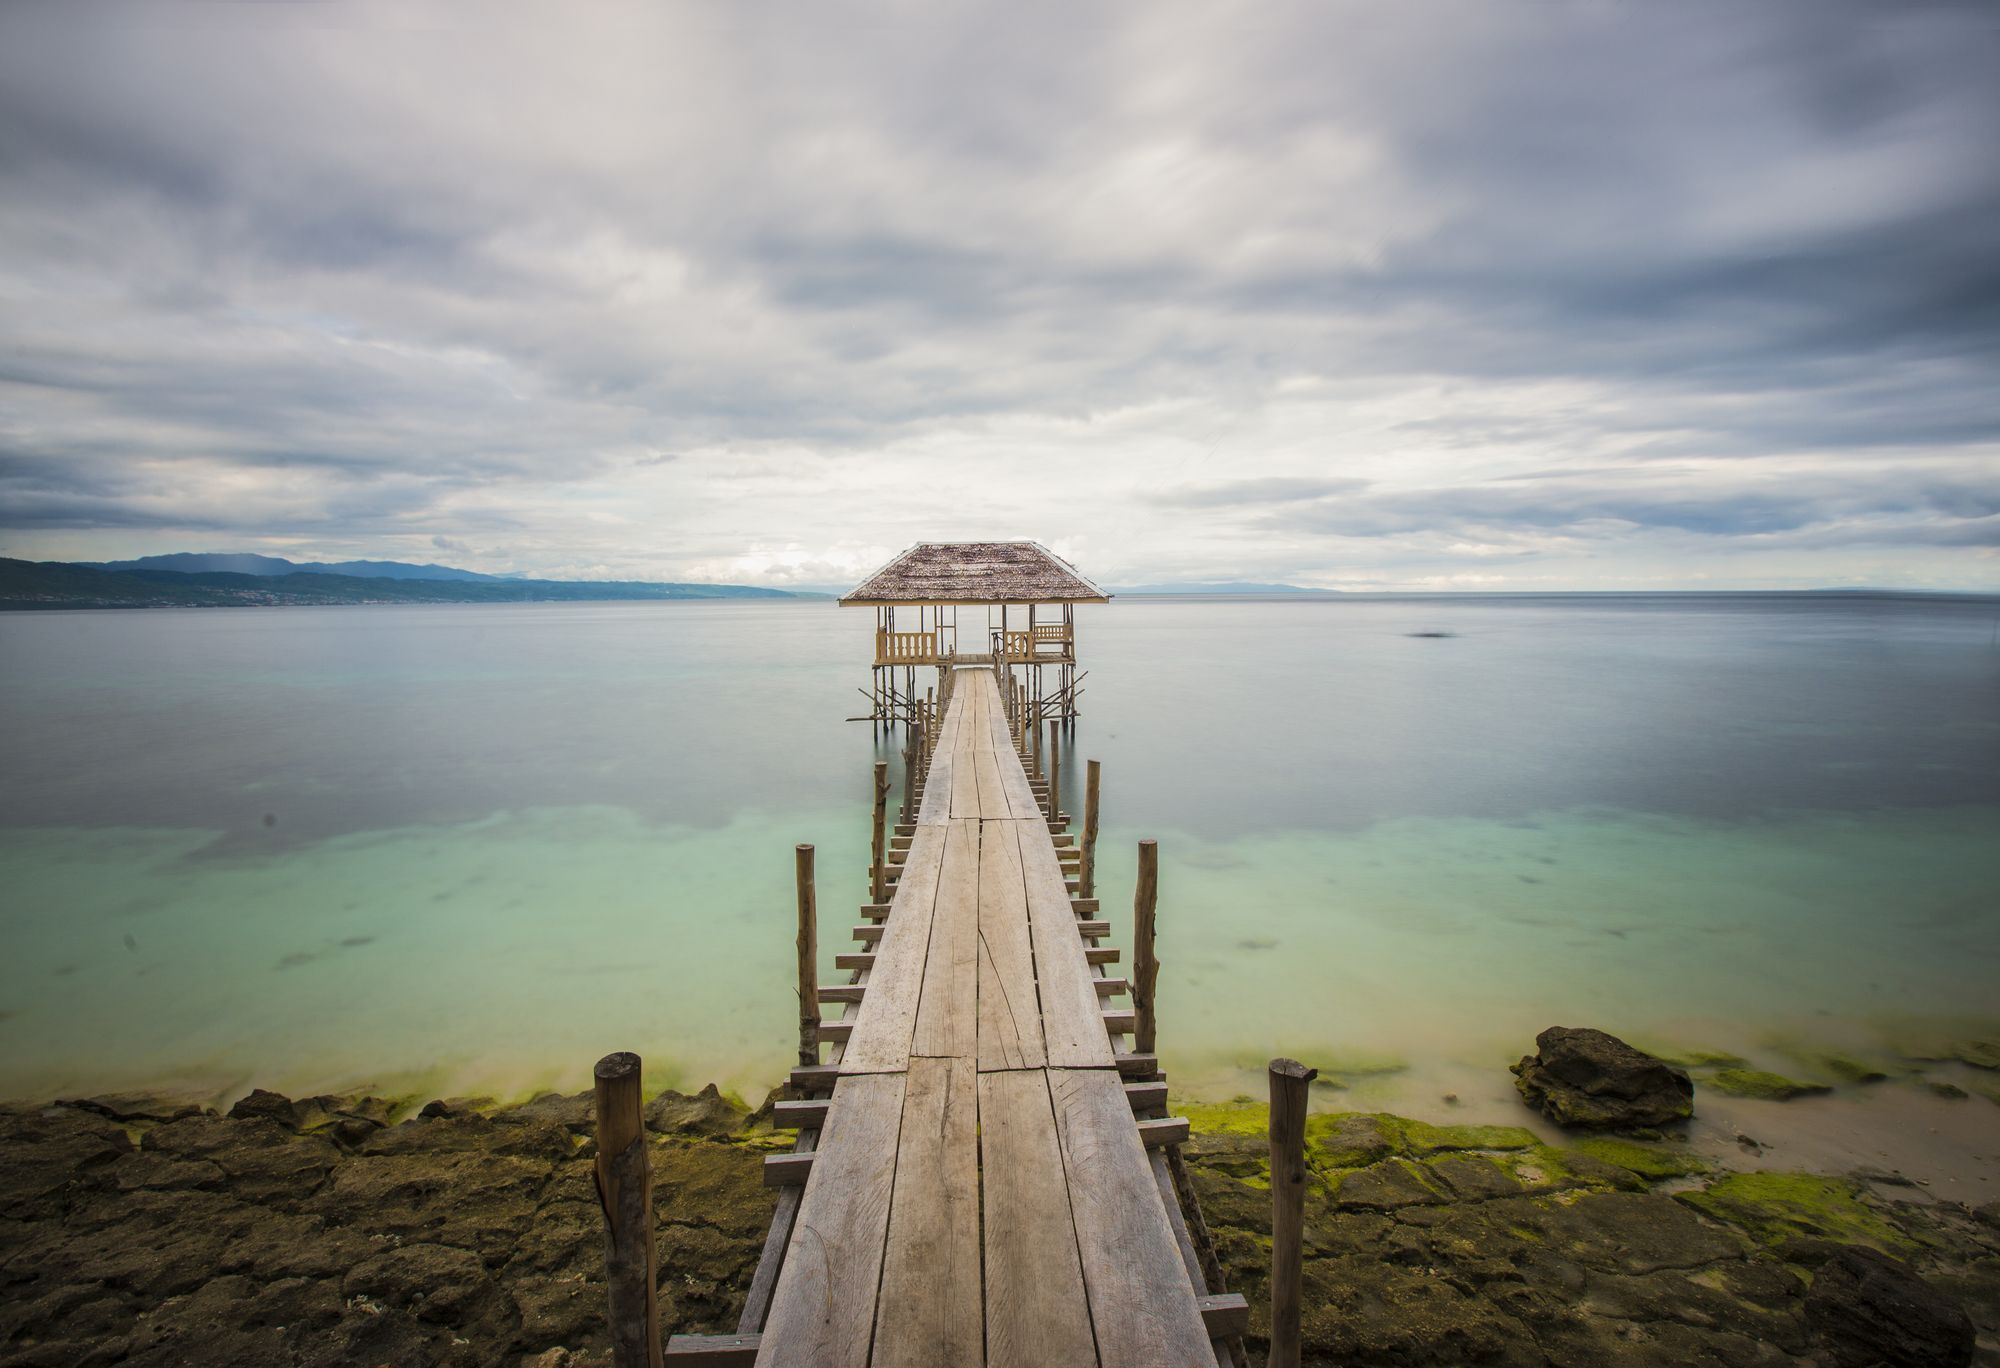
<point x="1867" y="1310"/>
<point x="1758" y="1083"/>
<point x="1587" y="1078"/>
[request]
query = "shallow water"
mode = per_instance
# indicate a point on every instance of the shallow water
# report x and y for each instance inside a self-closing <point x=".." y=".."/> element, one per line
<point x="451" y="849"/>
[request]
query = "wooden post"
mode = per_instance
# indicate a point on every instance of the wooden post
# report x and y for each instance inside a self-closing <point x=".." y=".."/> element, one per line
<point x="910" y="754"/>
<point x="1035" y="724"/>
<point x="878" y="868"/>
<point x="1086" y="873"/>
<point x="808" y="960"/>
<point x="625" y="1191"/>
<point x="1288" y="1206"/>
<point x="1145" y="963"/>
<point x="1055" y="772"/>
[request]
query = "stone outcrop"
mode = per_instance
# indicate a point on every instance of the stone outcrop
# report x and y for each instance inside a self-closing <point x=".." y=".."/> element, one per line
<point x="1866" y="1309"/>
<point x="1585" y="1078"/>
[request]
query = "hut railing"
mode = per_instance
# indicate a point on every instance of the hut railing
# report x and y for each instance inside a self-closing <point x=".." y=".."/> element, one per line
<point x="906" y="648"/>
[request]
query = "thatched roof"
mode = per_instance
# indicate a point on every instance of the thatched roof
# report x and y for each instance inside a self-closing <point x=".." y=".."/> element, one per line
<point x="976" y="572"/>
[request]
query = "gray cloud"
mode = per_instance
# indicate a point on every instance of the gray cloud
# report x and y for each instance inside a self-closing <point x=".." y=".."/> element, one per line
<point x="731" y="297"/>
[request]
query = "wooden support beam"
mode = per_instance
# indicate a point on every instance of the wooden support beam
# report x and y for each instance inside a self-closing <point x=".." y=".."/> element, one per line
<point x="836" y="1030"/>
<point x="1172" y="1130"/>
<point x="1224" y="1314"/>
<point x="1142" y="1096"/>
<point x="1093" y="928"/>
<point x="1106" y="987"/>
<point x="842" y="992"/>
<point x="715" y="1351"/>
<point x="815" y="1077"/>
<point x="1118" y="1023"/>
<point x="783" y="1170"/>
<point x="869" y="934"/>
<point x="858" y="959"/>
<point x="876" y="910"/>
<point x="1100" y="954"/>
<point x="811" y="1114"/>
<point x="1289" y="1080"/>
<point x="1129" y="1065"/>
<point x="625" y="1193"/>
<point x="1085" y="906"/>
<point x="1055" y="767"/>
<point x="1145" y="962"/>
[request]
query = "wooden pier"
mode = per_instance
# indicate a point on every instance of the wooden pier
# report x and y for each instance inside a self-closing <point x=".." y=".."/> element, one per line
<point x="982" y="1172"/>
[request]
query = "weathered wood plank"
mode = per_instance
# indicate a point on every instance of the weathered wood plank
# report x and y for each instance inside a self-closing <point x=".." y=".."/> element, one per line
<point x="1142" y="1306"/>
<point x="1072" y="1029"/>
<point x="947" y="1010"/>
<point x="1010" y="1017"/>
<point x="823" y="1312"/>
<point x="1037" y="1309"/>
<point x="929" y="1311"/>
<point x="880" y="1039"/>
<point x="992" y="790"/>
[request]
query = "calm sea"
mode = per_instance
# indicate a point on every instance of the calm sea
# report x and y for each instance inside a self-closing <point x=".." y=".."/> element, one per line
<point x="462" y="849"/>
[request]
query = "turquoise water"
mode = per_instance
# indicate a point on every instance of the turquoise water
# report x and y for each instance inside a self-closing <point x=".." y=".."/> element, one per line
<point x="470" y="849"/>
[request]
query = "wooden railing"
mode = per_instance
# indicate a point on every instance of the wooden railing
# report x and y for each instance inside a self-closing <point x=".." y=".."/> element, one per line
<point x="906" y="648"/>
<point x="1024" y="645"/>
<point x="1051" y="631"/>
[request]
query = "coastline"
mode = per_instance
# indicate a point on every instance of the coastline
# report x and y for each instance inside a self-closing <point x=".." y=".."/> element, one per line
<point x="358" y="1229"/>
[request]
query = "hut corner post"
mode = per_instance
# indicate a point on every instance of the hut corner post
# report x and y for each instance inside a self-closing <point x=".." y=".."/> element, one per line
<point x="1145" y="960"/>
<point x="808" y="961"/>
<point x="1288" y="1205"/>
<point x="625" y="1192"/>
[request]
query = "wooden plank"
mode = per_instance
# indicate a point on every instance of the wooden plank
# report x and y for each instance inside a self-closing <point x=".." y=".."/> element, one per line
<point x="824" y="1309"/>
<point x="1141" y="1303"/>
<point x="965" y="805"/>
<point x="880" y="1039"/>
<point x="1225" y="1313"/>
<point x="1166" y="1130"/>
<point x="929" y="1309"/>
<point x="947" y="1010"/>
<point x="1021" y="803"/>
<point x="1037" y="1309"/>
<point x="1010" y="1017"/>
<point x="1072" y="1029"/>
<point x="992" y="791"/>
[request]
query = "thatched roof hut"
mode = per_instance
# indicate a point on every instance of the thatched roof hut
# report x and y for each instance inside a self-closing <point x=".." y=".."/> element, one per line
<point x="975" y="572"/>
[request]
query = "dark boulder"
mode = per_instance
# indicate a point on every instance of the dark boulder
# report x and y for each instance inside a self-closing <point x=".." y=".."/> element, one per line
<point x="1869" y="1311"/>
<point x="1584" y="1077"/>
<point x="269" y="1105"/>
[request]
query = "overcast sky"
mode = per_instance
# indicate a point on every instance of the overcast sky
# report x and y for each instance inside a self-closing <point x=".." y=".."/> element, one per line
<point x="1484" y="295"/>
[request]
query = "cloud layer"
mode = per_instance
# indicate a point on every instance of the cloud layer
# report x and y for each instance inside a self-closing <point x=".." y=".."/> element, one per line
<point x="1574" y="295"/>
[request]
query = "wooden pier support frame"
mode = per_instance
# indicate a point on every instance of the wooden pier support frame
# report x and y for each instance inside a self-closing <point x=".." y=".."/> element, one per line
<point x="1086" y="872"/>
<point x="878" y="868"/>
<point x="1289" y="1080"/>
<point x="808" y="946"/>
<point x="1145" y="960"/>
<point x="625" y="1192"/>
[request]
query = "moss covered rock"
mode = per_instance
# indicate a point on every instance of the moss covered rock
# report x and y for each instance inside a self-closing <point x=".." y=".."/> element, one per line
<point x="1760" y="1084"/>
<point x="1792" y="1211"/>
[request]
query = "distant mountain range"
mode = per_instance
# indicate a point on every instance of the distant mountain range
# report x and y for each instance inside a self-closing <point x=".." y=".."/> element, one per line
<point x="186" y="581"/>
<point x="210" y="562"/>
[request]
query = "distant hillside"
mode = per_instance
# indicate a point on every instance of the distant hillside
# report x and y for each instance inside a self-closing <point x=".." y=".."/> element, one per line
<point x="53" y="584"/>
<point x="201" y="563"/>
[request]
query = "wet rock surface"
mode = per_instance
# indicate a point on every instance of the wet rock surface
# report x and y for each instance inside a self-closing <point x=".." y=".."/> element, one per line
<point x="1584" y="1077"/>
<point x="336" y="1233"/>
<point x="315" y="1232"/>
<point x="1480" y="1245"/>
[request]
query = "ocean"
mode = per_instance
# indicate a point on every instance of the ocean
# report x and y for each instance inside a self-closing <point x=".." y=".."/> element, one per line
<point x="467" y="850"/>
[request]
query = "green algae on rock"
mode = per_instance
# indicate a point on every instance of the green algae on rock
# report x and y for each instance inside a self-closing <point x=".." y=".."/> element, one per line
<point x="1778" y="1209"/>
<point x="1760" y="1084"/>
<point x="1652" y="1162"/>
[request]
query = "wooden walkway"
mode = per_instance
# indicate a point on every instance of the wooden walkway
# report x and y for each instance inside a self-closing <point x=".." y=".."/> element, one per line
<point x="982" y="1188"/>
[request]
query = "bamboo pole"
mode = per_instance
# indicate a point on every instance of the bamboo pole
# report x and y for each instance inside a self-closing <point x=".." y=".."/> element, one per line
<point x="1145" y="962"/>
<point x="625" y="1192"/>
<point x="910" y="754"/>
<point x="808" y="959"/>
<point x="1035" y="725"/>
<point x="878" y="867"/>
<point x="1055" y="772"/>
<point x="1288" y="1206"/>
<point x="1086" y="874"/>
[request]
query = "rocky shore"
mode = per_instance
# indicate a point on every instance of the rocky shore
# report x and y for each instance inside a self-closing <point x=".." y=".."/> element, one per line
<point x="338" y="1231"/>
